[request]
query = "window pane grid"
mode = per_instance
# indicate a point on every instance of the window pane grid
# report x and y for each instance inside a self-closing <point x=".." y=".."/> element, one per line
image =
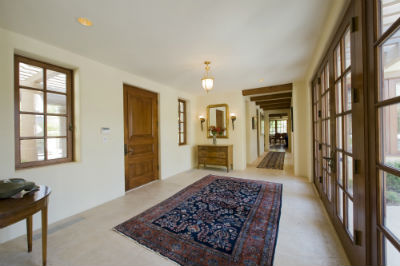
<point x="33" y="90"/>
<point x="181" y="122"/>
<point x="343" y="115"/>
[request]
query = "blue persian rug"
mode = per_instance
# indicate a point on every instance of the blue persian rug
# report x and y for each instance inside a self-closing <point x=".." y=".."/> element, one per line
<point x="215" y="221"/>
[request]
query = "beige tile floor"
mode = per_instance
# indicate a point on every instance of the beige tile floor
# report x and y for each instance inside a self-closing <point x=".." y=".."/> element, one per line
<point x="305" y="237"/>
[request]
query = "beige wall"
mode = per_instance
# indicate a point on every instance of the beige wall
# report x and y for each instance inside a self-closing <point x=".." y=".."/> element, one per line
<point x="302" y="135"/>
<point x="237" y="137"/>
<point x="302" y="130"/>
<point x="251" y="134"/>
<point x="98" y="174"/>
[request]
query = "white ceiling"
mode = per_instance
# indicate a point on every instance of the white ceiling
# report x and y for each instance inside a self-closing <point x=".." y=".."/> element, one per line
<point x="168" y="40"/>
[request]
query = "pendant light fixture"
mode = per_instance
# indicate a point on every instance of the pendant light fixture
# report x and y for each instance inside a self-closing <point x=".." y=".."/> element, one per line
<point x="207" y="82"/>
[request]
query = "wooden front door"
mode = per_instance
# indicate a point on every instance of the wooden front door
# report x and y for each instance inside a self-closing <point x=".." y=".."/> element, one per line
<point x="141" y="136"/>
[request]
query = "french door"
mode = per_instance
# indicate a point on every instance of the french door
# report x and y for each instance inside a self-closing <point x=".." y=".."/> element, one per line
<point x="384" y="102"/>
<point x="339" y="158"/>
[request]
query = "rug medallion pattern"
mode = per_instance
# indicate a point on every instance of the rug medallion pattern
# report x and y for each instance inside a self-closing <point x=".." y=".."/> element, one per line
<point x="215" y="221"/>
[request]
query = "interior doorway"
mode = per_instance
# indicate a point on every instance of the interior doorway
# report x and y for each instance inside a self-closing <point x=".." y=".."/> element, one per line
<point x="278" y="139"/>
<point x="140" y="136"/>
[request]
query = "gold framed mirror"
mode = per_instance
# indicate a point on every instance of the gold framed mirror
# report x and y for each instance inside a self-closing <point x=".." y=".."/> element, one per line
<point x="218" y="117"/>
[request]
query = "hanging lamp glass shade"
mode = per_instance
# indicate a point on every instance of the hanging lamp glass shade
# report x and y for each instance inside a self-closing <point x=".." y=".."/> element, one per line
<point x="207" y="82"/>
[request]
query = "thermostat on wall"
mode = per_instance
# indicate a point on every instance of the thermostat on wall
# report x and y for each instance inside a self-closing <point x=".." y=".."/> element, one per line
<point x="105" y="130"/>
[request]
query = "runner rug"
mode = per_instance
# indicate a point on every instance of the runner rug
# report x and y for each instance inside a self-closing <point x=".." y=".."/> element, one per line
<point x="215" y="221"/>
<point x="273" y="160"/>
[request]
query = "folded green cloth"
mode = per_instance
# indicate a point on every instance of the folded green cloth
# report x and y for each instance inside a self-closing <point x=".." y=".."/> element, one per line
<point x="12" y="186"/>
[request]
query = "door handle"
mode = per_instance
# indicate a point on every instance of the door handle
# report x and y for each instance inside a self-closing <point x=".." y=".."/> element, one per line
<point x="126" y="150"/>
<point x="331" y="162"/>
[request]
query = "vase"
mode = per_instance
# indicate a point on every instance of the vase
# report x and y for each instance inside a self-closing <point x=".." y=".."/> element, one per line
<point x="214" y="139"/>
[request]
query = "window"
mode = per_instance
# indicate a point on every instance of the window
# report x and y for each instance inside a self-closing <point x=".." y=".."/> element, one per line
<point x="272" y="127"/>
<point x="181" y="122"/>
<point x="281" y="126"/>
<point x="43" y="113"/>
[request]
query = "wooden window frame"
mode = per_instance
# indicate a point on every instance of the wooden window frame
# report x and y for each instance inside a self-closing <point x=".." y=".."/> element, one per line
<point x="69" y="113"/>
<point x="375" y="42"/>
<point x="357" y="248"/>
<point x="184" y="127"/>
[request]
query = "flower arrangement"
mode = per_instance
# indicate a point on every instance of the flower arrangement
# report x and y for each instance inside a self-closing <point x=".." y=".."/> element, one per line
<point x="216" y="130"/>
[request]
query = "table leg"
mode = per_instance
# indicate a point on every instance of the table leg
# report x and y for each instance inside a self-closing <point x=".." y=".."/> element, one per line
<point x="29" y="232"/>
<point x="44" y="235"/>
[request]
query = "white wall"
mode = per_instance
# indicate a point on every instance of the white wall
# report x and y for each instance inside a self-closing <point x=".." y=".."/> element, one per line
<point x="237" y="137"/>
<point x="98" y="174"/>
<point x="251" y="134"/>
<point x="302" y="130"/>
<point x="262" y="139"/>
<point x="302" y="104"/>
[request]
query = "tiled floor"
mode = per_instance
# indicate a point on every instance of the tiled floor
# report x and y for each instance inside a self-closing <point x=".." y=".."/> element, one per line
<point x="305" y="237"/>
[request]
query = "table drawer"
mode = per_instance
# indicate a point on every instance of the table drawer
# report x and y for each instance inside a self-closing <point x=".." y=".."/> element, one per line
<point x="213" y="154"/>
<point x="213" y="161"/>
<point x="212" y="149"/>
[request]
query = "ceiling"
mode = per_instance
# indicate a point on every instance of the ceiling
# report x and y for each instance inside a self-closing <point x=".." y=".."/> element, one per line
<point x="168" y="41"/>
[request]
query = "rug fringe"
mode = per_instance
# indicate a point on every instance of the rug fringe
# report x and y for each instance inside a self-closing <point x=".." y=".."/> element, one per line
<point x="143" y="246"/>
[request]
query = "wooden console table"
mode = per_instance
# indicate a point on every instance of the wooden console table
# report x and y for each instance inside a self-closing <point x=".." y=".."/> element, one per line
<point x="14" y="210"/>
<point x="215" y="155"/>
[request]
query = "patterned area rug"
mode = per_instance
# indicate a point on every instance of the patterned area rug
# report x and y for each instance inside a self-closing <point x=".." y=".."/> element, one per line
<point x="215" y="221"/>
<point x="273" y="160"/>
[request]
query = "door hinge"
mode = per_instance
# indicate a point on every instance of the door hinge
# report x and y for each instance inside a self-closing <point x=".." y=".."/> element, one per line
<point x="356" y="166"/>
<point x="354" y="24"/>
<point x="319" y="113"/>
<point x="355" y="95"/>
<point x="125" y="149"/>
<point x="320" y="179"/>
<point x="320" y="146"/>
<point x="358" y="237"/>
<point x="319" y="81"/>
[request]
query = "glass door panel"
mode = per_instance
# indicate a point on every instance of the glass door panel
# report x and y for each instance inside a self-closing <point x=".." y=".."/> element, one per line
<point x="344" y="135"/>
<point x="387" y="108"/>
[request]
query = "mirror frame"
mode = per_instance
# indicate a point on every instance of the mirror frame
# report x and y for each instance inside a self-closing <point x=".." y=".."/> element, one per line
<point x="226" y="117"/>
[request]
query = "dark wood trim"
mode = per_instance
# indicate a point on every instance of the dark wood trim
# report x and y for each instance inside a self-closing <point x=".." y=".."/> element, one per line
<point x="357" y="253"/>
<point x="270" y="89"/>
<point x="274" y="101"/>
<point x="68" y="115"/>
<point x="388" y="33"/>
<point x="276" y="108"/>
<point x="182" y="122"/>
<point x="287" y="95"/>
<point x="375" y="222"/>
<point x="278" y="115"/>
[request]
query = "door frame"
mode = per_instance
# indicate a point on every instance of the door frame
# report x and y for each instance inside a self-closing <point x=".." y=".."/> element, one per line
<point x="258" y="133"/>
<point x="126" y="86"/>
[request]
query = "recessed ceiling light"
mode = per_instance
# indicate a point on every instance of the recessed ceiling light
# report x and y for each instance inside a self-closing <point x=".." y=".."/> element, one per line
<point x="85" y="22"/>
<point x="261" y="80"/>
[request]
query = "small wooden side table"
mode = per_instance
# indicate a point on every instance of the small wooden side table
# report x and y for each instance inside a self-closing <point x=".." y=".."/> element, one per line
<point x="14" y="210"/>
